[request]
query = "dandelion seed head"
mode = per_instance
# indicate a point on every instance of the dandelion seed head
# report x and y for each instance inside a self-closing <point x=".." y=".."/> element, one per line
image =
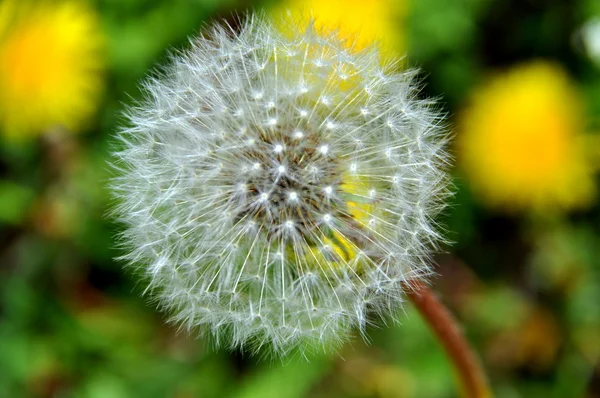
<point x="258" y="195"/>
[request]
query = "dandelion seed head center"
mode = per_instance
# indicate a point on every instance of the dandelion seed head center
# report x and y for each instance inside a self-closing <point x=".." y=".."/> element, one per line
<point x="287" y="181"/>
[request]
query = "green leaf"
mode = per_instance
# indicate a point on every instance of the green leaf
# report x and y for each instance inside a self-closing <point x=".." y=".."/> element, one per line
<point x="15" y="201"/>
<point x="290" y="380"/>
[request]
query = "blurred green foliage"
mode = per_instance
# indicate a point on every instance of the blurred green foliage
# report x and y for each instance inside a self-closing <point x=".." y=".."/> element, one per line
<point x="72" y="323"/>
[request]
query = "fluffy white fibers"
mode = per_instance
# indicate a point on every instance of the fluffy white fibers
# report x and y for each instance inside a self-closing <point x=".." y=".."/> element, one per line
<point x="277" y="189"/>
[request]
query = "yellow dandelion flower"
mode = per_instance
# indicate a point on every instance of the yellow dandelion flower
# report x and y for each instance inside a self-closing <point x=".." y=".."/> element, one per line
<point x="519" y="141"/>
<point x="362" y="22"/>
<point x="50" y="66"/>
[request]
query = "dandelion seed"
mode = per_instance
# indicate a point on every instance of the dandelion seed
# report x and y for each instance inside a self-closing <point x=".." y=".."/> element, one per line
<point x="323" y="234"/>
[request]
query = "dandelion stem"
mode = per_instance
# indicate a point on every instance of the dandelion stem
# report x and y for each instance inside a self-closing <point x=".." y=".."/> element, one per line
<point x="467" y="365"/>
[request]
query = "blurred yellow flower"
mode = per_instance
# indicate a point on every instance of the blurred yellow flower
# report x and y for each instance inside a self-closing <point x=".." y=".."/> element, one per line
<point x="50" y="66"/>
<point x="362" y="22"/>
<point x="520" y="141"/>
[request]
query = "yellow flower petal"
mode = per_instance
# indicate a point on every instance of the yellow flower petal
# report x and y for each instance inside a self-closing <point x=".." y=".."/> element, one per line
<point x="361" y="22"/>
<point x="519" y="141"/>
<point x="50" y="66"/>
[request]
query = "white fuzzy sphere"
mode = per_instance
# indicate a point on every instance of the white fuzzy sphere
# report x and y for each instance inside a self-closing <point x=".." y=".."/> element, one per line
<point x="277" y="188"/>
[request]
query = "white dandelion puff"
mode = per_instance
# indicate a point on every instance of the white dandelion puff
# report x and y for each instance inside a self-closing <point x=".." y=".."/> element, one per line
<point x="276" y="190"/>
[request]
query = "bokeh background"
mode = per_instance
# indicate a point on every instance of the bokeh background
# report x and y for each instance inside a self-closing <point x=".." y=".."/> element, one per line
<point x="520" y="82"/>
